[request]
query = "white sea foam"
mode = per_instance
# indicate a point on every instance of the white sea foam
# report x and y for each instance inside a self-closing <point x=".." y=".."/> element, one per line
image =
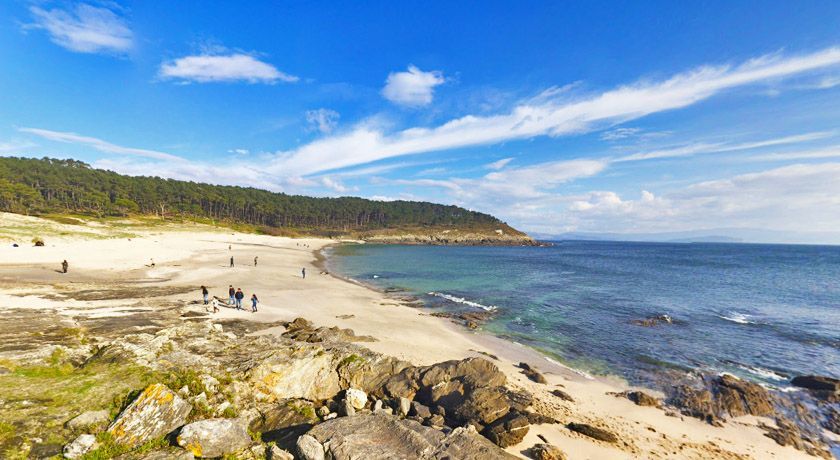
<point x="579" y="372"/>
<point x="375" y="276"/>
<point x="761" y="372"/>
<point x="463" y="301"/>
<point x="735" y="317"/>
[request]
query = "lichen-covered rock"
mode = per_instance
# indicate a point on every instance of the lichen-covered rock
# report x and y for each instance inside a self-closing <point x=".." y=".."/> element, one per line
<point x="214" y="437"/>
<point x="80" y="446"/>
<point x="156" y="412"/>
<point x="90" y="420"/>
<point x="546" y="452"/>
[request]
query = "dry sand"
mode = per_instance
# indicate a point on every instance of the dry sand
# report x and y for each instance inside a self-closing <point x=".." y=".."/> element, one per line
<point x="200" y="256"/>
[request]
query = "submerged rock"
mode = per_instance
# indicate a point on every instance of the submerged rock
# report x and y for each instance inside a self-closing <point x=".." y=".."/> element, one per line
<point x="651" y="321"/>
<point x="824" y="388"/>
<point x="156" y="412"/>
<point x="214" y="437"/>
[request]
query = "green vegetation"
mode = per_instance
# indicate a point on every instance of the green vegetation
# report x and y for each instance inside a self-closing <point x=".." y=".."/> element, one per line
<point x="109" y="449"/>
<point x="55" y="188"/>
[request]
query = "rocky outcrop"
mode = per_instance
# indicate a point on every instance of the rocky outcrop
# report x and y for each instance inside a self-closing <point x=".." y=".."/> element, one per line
<point x="214" y="437"/>
<point x="509" y="430"/>
<point x="652" y="321"/>
<point x="546" y="452"/>
<point x="303" y="330"/>
<point x="499" y="236"/>
<point x="785" y="433"/>
<point x="640" y="398"/>
<point x="283" y="422"/>
<point x="387" y="437"/>
<point x="725" y="396"/>
<point x="156" y="412"/>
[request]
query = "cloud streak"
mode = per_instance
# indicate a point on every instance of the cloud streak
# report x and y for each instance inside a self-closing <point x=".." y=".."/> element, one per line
<point x="84" y="29"/>
<point x="547" y="116"/>
<point x="98" y="144"/>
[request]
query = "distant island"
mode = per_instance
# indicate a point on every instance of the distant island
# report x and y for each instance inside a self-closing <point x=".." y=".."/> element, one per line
<point x="48" y="186"/>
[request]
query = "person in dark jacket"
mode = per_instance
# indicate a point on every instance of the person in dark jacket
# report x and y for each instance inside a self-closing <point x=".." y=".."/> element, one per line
<point x="303" y="273"/>
<point x="231" y="261"/>
<point x="254" y="302"/>
<point x="206" y="294"/>
<point x="64" y="266"/>
<point x="239" y="296"/>
<point x="231" y="293"/>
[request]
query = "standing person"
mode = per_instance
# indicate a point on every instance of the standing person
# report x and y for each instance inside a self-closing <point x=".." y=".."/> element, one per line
<point x="303" y="272"/>
<point x="231" y="261"/>
<point x="239" y="296"/>
<point x="254" y="302"/>
<point x="64" y="266"/>
<point x="255" y="260"/>
<point x="205" y="293"/>
<point x="231" y="293"/>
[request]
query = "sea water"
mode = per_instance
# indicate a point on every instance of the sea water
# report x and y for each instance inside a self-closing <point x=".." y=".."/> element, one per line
<point x="762" y="312"/>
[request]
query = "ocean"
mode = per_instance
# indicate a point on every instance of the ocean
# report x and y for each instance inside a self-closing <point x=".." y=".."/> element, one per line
<point x="762" y="312"/>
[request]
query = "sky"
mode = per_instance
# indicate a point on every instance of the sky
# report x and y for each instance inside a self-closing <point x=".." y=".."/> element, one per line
<point x="620" y="117"/>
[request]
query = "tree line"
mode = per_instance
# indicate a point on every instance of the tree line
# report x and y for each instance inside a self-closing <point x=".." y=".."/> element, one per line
<point x="39" y="186"/>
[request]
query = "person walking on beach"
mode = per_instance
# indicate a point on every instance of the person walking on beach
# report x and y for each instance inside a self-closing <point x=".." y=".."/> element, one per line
<point x="64" y="266"/>
<point x="303" y="273"/>
<point x="205" y="294"/>
<point x="239" y="296"/>
<point x="231" y="261"/>
<point x="255" y="260"/>
<point x="254" y="302"/>
<point x="231" y="293"/>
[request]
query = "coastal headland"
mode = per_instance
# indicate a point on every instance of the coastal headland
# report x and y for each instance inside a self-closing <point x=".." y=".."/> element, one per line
<point x="121" y="357"/>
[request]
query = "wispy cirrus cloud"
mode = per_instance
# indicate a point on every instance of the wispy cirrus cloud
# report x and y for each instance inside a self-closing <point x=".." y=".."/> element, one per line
<point x="547" y="116"/>
<point x="98" y="144"/>
<point x="323" y="120"/>
<point x="231" y="67"/>
<point x="84" y="28"/>
<point x="412" y="88"/>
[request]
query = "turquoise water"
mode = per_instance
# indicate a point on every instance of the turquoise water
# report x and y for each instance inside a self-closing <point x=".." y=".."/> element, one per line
<point x="762" y="312"/>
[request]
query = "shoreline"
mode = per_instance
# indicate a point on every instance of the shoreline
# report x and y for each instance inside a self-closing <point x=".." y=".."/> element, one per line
<point x="186" y="260"/>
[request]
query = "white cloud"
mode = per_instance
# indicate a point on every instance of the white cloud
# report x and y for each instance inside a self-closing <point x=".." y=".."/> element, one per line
<point x="336" y="185"/>
<point x="239" y="151"/>
<point x="548" y="117"/>
<point x="15" y="146"/>
<point x="700" y="148"/>
<point x="207" y="68"/>
<point x="84" y="29"/>
<point x="499" y="164"/>
<point x="98" y="144"/>
<point x="413" y="88"/>
<point x="828" y="152"/>
<point x="324" y="120"/>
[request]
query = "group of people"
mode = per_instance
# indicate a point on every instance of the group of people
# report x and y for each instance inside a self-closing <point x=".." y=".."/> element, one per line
<point x="235" y="297"/>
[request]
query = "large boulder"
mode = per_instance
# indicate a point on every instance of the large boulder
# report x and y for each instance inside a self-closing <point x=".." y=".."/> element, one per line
<point x="738" y="397"/>
<point x="156" y="412"/>
<point x="374" y="437"/>
<point x="509" y="430"/>
<point x="825" y="388"/>
<point x="283" y="422"/>
<point x="214" y="437"/>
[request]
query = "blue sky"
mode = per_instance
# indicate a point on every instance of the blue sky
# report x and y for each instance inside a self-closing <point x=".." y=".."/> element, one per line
<point x="590" y="116"/>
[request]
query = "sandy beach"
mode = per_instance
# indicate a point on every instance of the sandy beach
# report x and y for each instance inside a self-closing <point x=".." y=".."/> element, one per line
<point x="189" y="257"/>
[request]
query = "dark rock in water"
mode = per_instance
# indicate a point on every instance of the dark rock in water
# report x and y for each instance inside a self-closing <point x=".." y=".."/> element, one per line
<point x="787" y="434"/>
<point x="593" y="432"/>
<point x="508" y="430"/>
<point x="726" y="396"/>
<point x="651" y="321"/>
<point x="376" y="437"/>
<point x="532" y="373"/>
<point x="562" y="395"/>
<point x="545" y="452"/>
<point x="283" y="422"/>
<point x="738" y="397"/>
<point x="824" y="388"/>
